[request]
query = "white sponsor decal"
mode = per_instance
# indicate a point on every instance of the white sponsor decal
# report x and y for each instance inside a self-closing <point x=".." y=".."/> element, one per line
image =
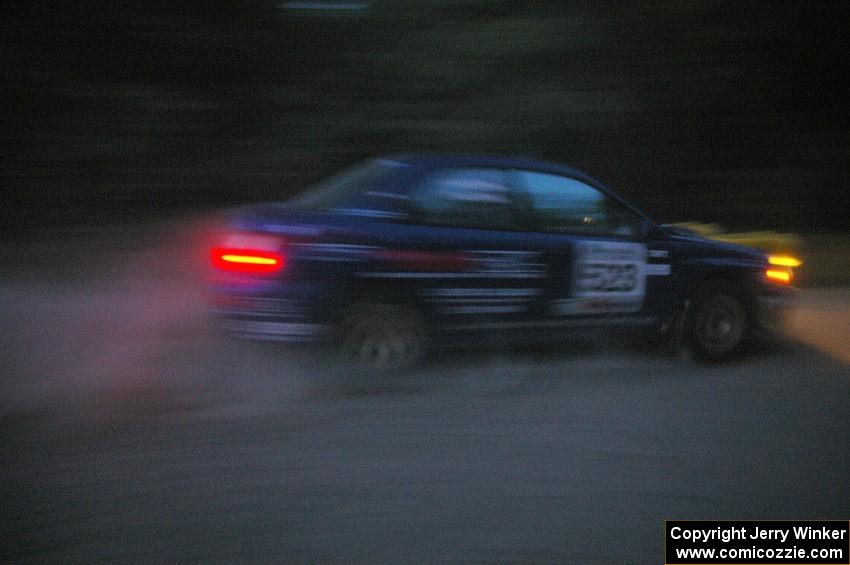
<point x="658" y="270"/>
<point x="608" y="277"/>
<point x="481" y="300"/>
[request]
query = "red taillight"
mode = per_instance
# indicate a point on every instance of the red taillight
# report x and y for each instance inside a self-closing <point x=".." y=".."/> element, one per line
<point x="249" y="253"/>
<point x="246" y="260"/>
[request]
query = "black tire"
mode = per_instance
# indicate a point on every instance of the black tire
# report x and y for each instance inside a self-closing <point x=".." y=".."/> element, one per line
<point x="718" y="322"/>
<point x="382" y="338"/>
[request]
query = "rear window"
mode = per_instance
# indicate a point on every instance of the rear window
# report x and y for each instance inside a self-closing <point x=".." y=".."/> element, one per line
<point x="475" y="198"/>
<point x="341" y="188"/>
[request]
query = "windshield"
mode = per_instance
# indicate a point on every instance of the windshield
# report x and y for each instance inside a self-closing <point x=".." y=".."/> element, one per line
<point x="340" y="188"/>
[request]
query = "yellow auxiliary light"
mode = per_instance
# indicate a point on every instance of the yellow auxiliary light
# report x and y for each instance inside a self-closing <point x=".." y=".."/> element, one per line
<point x="784" y="261"/>
<point x="777" y="275"/>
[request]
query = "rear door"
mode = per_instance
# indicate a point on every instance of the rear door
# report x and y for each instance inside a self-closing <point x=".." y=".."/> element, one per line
<point x="464" y="250"/>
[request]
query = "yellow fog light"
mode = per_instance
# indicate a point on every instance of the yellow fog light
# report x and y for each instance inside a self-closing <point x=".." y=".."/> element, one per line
<point x="784" y="261"/>
<point x="779" y="275"/>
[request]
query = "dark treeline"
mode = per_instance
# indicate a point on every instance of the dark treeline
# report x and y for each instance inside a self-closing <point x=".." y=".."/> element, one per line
<point x="730" y="112"/>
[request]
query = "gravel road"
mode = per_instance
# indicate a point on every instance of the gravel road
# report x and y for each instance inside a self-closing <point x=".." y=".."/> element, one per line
<point x="133" y="432"/>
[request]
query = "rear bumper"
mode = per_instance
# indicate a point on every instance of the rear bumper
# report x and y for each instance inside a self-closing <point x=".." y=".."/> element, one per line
<point x="267" y="317"/>
<point x="295" y="332"/>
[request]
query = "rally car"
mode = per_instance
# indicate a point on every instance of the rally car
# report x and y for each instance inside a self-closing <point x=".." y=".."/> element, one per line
<point x="398" y="254"/>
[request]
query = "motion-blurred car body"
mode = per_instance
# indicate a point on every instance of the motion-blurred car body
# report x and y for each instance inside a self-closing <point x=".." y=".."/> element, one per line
<point x="398" y="253"/>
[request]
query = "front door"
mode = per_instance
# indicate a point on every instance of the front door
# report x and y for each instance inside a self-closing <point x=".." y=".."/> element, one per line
<point x="597" y="263"/>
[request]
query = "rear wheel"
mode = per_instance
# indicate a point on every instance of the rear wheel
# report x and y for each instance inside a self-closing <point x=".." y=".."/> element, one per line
<point x="383" y="338"/>
<point x="719" y="323"/>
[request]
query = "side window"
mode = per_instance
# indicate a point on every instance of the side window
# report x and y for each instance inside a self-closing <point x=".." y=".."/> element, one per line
<point x="563" y="204"/>
<point x="477" y="198"/>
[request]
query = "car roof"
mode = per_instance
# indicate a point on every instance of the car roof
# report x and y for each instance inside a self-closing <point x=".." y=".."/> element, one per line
<point x="439" y="160"/>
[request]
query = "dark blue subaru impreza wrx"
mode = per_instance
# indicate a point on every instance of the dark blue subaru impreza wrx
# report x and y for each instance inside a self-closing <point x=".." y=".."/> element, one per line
<point x="400" y="253"/>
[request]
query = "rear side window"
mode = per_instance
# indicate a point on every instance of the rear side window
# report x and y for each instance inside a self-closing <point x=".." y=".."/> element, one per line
<point x="477" y="198"/>
<point x="342" y="188"/>
<point x="566" y="205"/>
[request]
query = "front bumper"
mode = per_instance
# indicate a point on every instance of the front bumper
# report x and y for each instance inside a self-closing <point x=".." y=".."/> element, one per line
<point x="774" y="305"/>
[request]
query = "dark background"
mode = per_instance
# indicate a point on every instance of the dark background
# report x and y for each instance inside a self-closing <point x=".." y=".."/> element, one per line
<point x="732" y="112"/>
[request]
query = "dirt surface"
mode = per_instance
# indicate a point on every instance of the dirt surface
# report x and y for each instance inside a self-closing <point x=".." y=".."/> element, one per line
<point x="133" y="432"/>
<point x="823" y="321"/>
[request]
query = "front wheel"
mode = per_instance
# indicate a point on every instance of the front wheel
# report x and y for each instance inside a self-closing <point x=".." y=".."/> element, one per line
<point x="383" y="338"/>
<point x="719" y="323"/>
